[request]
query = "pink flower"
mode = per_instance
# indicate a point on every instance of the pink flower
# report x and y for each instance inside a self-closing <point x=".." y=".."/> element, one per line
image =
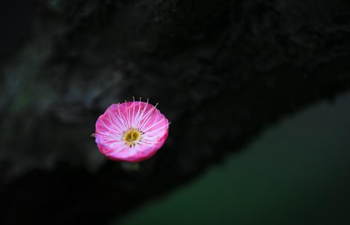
<point x="131" y="131"/>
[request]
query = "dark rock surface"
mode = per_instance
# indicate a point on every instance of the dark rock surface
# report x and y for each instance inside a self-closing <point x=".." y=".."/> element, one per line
<point x="222" y="71"/>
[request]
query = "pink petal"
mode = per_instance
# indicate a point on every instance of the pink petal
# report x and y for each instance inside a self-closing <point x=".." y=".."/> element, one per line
<point x="119" y="119"/>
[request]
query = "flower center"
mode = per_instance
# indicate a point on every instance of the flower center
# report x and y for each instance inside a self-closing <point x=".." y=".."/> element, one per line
<point x="131" y="136"/>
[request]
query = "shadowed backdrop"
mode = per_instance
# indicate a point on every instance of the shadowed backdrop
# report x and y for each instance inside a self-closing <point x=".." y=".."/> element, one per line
<point x="223" y="72"/>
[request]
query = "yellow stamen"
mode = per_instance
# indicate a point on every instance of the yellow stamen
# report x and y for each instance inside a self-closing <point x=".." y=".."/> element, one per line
<point x="132" y="136"/>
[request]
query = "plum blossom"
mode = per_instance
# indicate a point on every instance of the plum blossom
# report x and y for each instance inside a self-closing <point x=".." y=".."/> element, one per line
<point x="131" y="131"/>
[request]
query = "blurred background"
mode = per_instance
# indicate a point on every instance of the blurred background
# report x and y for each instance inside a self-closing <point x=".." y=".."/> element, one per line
<point x="296" y="172"/>
<point x="257" y="93"/>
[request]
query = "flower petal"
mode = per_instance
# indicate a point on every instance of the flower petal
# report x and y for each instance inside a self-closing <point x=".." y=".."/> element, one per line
<point x="137" y="116"/>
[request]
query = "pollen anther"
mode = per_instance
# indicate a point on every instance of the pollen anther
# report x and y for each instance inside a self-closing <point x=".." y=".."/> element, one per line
<point x="132" y="136"/>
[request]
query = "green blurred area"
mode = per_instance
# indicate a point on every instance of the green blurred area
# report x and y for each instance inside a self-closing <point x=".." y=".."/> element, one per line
<point x="297" y="172"/>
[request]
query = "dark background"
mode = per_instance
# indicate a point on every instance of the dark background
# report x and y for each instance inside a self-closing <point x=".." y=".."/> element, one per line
<point x="296" y="172"/>
<point x="223" y="72"/>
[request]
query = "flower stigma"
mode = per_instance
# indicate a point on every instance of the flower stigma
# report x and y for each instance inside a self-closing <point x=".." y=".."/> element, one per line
<point x="131" y="137"/>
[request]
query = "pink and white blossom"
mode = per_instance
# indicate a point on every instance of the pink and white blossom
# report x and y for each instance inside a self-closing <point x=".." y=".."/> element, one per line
<point x="131" y="131"/>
